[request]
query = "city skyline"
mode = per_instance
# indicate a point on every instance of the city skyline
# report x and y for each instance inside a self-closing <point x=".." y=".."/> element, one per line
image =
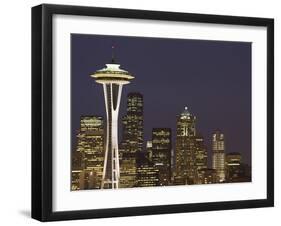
<point x="237" y="107"/>
<point x="152" y="165"/>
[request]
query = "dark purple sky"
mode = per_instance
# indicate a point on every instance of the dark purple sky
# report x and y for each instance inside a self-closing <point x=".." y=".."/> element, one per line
<point x="211" y="78"/>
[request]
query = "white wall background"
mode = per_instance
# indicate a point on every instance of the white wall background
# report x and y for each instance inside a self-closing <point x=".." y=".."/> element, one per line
<point x="15" y="119"/>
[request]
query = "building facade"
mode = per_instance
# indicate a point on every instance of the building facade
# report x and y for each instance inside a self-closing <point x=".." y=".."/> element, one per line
<point x="207" y="176"/>
<point x="132" y="139"/>
<point x="88" y="158"/>
<point x="201" y="157"/>
<point x="161" y="153"/>
<point x="236" y="170"/>
<point x="185" y="148"/>
<point x="218" y="155"/>
<point x="147" y="176"/>
<point x="132" y="123"/>
<point x="128" y="169"/>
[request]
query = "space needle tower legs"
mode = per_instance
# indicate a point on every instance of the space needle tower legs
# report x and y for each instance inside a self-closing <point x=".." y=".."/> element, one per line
<point x="112" y="77"/>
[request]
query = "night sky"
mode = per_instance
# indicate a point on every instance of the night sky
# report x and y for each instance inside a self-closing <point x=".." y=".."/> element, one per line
<point x="211" y="78"/>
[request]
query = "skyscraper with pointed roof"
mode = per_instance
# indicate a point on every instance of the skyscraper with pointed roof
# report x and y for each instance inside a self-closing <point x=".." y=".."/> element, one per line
<point x="185" y="148"/>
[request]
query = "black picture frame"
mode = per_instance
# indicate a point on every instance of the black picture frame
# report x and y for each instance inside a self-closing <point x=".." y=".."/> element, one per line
<point x="42" y="95"/>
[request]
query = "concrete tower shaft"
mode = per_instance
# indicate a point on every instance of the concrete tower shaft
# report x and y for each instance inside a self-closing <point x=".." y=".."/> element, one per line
<point x="112" y="78"/>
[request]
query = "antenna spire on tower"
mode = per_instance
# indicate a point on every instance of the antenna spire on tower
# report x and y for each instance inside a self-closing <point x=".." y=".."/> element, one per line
<point x="112" y="54"/>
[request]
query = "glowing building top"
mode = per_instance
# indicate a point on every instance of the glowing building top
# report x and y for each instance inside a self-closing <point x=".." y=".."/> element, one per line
<point x="186" y="114"/>
<point x="186" y="124"/>
<point x="112" y="73"/>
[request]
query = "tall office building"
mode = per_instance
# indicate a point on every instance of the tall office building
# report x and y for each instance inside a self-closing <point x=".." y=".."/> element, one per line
<point x="132" y="139"/>
<point x="186" y="148"/>
<point x="112" y="77"/>
<point x="133" y="123"/>
<point x="161" y="153"/>
<point x="218" y="161"/>
<point x="201" y="157"/>
<point x="88" y="158"/>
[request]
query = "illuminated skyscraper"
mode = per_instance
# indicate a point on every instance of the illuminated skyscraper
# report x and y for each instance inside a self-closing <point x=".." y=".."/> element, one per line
<point x="200" y="153"/>
<point x="132" y="139"/>
<point x="133" y="123"/>
<point x="112" y="77"/>
<point x="218" y="161"/>
<point x="161" y="153"/>
<point x="87" y="160"/>
<point x="201" y="157"/>
<point x="185" y="148"/>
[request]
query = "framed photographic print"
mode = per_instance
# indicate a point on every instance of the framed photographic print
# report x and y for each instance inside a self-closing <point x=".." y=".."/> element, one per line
<point x="145" y="112"/>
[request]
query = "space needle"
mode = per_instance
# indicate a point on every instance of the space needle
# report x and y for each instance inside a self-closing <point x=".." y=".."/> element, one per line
<point x="112" y="77"/>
